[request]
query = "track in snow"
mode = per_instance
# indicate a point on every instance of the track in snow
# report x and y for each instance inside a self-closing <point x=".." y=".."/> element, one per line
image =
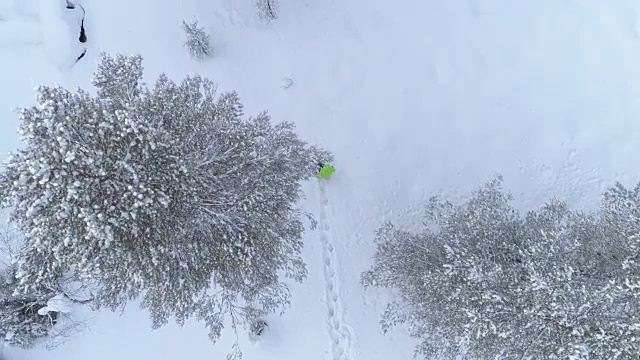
<point x="339" y="331"/>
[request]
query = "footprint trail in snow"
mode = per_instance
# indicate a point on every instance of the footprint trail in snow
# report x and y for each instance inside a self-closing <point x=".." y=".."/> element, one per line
<point x="339" y="331"/>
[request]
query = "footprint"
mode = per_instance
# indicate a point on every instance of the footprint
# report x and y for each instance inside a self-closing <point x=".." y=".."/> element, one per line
<point x="337" y="329"/>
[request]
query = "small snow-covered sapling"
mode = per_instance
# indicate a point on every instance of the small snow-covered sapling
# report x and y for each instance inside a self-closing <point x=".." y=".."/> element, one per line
<point x="198" y="41"/>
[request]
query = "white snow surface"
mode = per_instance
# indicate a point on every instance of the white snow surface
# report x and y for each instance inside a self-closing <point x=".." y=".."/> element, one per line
<point x="414" y="98"/>
<point x="59" y="303"/>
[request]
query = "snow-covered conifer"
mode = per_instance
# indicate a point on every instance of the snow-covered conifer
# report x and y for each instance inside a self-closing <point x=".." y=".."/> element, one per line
<point x="198" y="42"/>
<point x="551" y="284"/>
<point x="167" y="192"/>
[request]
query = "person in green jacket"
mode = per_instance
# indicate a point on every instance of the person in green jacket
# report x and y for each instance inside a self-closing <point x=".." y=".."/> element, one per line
<point x="325" y="170"/>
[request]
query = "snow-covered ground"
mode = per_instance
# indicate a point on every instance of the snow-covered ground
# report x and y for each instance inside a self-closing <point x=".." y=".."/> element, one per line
<point x="414" y="98"/>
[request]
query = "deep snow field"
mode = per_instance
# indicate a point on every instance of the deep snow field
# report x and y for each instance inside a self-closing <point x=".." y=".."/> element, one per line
<point x="414" y="98"/>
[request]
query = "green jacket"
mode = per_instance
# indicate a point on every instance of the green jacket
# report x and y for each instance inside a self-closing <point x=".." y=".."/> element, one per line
<point x="326" y="171"/>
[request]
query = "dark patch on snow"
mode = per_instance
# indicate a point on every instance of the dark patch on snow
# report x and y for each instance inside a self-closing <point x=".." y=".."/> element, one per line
<point x="83" y="35"/>
<point x="84" y="52"/>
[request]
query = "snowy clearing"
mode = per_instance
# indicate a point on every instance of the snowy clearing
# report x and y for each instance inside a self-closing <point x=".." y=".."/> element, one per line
<point x="15" y="30"/>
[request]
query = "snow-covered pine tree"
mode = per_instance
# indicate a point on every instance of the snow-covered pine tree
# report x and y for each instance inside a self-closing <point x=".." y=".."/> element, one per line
<point x="198" y="42"/>
<point x="481" y="278"/>
<point x="168" y="192"/>
<point x="267" y="9"/>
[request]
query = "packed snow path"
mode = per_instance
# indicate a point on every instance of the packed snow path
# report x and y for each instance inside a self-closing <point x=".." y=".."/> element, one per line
<point x="340" y="333"/>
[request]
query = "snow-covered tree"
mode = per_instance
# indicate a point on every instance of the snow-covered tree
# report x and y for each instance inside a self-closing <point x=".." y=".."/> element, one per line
<point x="267" y="9"/>
<point x="21" y="324"/>
<point x="484" y="280"/>
<point x="43" y="314"/>
<point x="167" y="192"/>
<point x="198" y="42"/>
